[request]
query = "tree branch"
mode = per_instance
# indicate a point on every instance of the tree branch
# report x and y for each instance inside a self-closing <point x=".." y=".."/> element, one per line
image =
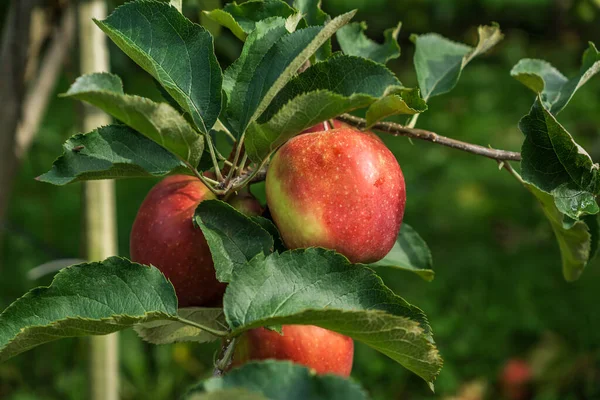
<point x="38" y="97"/>
<point x="421" y="134"/>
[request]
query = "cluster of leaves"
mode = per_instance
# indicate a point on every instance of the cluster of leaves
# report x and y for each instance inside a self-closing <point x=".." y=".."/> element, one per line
<point x="286" y="79"/>
<point x="558" y="171"/>
<point x="261" y="100"/>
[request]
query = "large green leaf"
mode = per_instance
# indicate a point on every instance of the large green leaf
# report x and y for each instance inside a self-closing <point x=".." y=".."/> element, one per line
<point x="278" y="380"/>
<point x="233" y="238"/>
<point x="314" y="15"/>
<point x="320" y="287"/>
<point x="398" y="101"/>
<point x="158" y="121"/>
<point x="166" y="331"/>
<point x="86" y="299"/>
<point x="439" y="61"/>
<point x="175" y="51"/>
<point x="556" y="90"/>
<point x="556" y="164"/>
<point x="241" y="19"/>
<point x="410" y="253"/>
<point x="111" y="152"/>
<point x="271" y="56"/>
<point x="325" y="90"/>
<point x="354" y="42"/>
<point x="574" y="241"/>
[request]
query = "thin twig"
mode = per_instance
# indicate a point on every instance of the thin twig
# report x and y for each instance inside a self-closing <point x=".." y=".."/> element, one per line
<point x="400" y="130"/>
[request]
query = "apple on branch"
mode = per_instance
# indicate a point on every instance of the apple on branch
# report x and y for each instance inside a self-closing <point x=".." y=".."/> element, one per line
<point x="325" y="351"/>
<point x="340" y="189"/>
<point x="164" y="235"/>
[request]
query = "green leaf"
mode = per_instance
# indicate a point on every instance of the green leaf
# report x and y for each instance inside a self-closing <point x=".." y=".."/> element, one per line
<point x="320" y="287"/>
<point x="226" y="394"/>
<point x="410" y="253"/>
<point x="354" y="42"/>
<point x="86" y="299"/>
<point x="325" y="90"/>
<point x="439" y="61"/>
<point x="157" y="121"/>
<point x="241" y="19"/>
<point x="233" y="238"/>
<point x="556" y="164"/>
<point x="111" y="152"/>
<point x="270" y="227"/>
<point x="556" y="90"/>
<point x="175" y="51"/>
<point x="400" y="101"/>
<point x="270" y="58"/>
<point x="279" y="380"/>
<point x="313" y="15"/>
<point x="575" y="241"/>
<point x="165" y="331"/>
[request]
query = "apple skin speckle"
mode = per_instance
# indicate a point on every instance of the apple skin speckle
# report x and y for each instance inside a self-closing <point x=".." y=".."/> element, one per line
<point x="340" y="189"/>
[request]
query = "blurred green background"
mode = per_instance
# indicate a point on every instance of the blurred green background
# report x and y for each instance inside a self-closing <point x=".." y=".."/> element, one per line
<point x="498" y="291"/>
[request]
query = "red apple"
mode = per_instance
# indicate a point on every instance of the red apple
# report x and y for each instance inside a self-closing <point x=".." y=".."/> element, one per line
<point x="340" y="189"/>
<point x="163" y="235"/>
<point x="324" y="351"/>
<point x="515" y="379"/>
<point x="246" y="203"/>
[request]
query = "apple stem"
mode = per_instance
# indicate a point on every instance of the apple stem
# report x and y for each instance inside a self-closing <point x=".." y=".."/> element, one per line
<point x="205" y="328"/>
<point x="326" y="125"/>
<point x="225" y="357"/>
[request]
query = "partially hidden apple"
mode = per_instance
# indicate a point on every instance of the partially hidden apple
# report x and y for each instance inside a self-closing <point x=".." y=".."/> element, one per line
<point x="340" y="189"/>
<point x="325" y="351"/>
<point x="246" y="203"/>
<point x="163" y="235"/>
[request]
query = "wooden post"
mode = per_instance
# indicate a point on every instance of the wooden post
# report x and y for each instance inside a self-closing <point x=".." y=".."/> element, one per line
<point x="99" y="200"/>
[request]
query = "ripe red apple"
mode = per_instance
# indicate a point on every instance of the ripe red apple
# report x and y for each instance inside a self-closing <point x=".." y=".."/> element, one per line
<point x="515" y="379"/>
<point x="325" y="351"/>
<point x="340" y="189"/>
<point x="163" y="235"/>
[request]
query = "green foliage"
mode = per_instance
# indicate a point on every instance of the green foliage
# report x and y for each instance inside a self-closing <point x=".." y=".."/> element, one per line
<point x="276" y="380"/>
<point x="176" y="52"/>
<point x="86" y="299"/>
<point x="158" y="121"/>
<point x="313" y="15"/>
<point x="233" y="238"/>
<point x="319" y="287"/>
<point x="270" y="58"/>
<point x="241" y="19"/>
<point x="165" y="331"/>
<point x="553" y="162"/>
<point x="410" y="253"/>
<point x="439" y="61"/>
<point x="325" y="90"/>
<point x="574" y="239"/>
<point x="354" y="42"/>
<point x="555" y="89"/>
<point x="111" y="152"/>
